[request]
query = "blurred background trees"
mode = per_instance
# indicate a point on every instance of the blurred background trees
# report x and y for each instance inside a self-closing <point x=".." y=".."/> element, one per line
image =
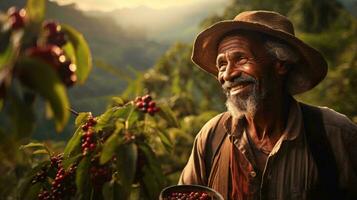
<point x="130" y="64"/>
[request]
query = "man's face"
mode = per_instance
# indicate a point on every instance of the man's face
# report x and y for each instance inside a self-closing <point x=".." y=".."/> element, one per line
<point x="246" y="73"/>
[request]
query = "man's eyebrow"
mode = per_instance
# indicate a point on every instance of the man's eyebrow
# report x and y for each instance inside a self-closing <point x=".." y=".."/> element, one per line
<point x="220" y="57"/>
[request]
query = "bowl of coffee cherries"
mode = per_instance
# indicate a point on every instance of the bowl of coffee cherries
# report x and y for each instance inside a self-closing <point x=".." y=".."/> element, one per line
<point x="189" y="192"/>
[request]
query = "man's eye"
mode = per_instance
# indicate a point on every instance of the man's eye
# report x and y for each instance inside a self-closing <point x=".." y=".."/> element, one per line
<point x="241" y="60"/>
<point x="221" y="65"/>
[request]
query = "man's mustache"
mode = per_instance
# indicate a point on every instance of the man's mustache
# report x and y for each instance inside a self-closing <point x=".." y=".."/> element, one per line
<point x="243" y="79"/>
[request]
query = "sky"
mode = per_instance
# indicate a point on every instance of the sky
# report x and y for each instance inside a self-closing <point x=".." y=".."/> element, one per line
<point x="108" y="5"/>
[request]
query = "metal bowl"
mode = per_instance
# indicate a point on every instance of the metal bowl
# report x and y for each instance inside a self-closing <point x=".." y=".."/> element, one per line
<point x="190" y="188"/>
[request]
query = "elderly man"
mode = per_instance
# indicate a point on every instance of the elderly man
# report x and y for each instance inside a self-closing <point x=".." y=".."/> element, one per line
<point x="268" y="145"/>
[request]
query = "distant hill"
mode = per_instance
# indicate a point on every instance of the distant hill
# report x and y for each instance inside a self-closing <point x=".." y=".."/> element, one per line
<point x="166" y="24"/>
<point x="351" y="6"/>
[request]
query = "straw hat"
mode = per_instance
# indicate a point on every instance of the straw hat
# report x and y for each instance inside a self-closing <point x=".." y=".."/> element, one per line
<point x="310" y="70"/>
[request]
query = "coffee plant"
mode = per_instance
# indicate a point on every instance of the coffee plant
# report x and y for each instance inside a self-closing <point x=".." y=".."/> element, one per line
<point x="111" y="156"/>
<point x="38" y="57"/>
<point x="120" y="154"/>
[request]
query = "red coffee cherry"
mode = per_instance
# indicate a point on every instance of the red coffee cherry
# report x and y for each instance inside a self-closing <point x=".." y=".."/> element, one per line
<point x="146" y="105"/>
<point x="188" y="196"/>
<point x="137" y="99"/>
<point x="88" y="140"/>
<point x="44" y="195"/>
<point x="63" y="185"/>
<point x="17" y="18"/>
<point x="54" y="34"/>
<point x="50" y="53"/>
<point x="147" y="98"/>
<point x="67" y="73"/>
<point x="56" y="161"/>
<point x="54" y="56"/>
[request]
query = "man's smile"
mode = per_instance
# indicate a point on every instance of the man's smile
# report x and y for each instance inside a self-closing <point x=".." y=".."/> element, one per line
<point x="237" y="88"/>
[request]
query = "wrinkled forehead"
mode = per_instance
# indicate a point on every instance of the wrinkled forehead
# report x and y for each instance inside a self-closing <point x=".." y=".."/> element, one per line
<point x="244" y="40"/>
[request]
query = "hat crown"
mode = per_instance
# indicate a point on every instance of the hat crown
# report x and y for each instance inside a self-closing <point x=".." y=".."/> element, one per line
<point x="271" y="19"/>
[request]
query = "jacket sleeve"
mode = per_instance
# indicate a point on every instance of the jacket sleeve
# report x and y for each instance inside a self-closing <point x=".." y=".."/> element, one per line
<point x="352" y="147"/>
<point x="195" y="169"/>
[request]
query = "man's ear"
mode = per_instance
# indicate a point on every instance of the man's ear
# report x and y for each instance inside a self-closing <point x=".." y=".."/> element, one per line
<point x="281" y="68"/>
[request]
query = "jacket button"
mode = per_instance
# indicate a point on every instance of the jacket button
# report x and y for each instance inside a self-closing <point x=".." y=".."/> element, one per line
<point x="253" y="174"/>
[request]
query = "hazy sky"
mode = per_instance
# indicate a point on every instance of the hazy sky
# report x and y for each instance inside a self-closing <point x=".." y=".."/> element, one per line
<point x="107" y="5"/>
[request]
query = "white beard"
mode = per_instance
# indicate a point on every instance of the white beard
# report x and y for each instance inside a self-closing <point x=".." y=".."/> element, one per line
<point x="238" y="108"/>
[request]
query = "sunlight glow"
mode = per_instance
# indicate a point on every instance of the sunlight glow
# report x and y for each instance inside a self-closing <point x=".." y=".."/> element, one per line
<point x="109" y="5"/>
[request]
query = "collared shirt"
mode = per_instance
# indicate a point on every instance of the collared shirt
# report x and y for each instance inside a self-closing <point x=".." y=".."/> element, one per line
<point x="290" y="171"/>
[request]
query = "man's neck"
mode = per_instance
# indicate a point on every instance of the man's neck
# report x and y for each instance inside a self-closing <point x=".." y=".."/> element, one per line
<point x="269" y="121"/>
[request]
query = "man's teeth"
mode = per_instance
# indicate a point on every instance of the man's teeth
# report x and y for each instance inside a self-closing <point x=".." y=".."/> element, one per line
<point x="237" y="87"/>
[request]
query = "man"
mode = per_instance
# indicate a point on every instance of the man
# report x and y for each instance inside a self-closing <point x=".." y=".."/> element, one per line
<point x="268" y="145"/>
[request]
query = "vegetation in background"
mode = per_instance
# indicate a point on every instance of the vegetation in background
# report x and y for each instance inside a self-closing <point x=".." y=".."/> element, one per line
<point x="187" y="96"/>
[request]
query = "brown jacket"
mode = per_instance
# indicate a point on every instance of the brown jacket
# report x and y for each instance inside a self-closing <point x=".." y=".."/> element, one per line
<point x="290" y="171"/>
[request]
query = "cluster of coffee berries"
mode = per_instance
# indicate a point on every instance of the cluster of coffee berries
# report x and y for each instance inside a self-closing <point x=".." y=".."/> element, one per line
<point x="40" y="176"/>
<point x="89" y="142"/>
<point x="188" y="196"/>
<point x="63" y="185"/>
<point x="55" y="57"/>
<point x="146" y="104"/>
<point x="16" y="18"/>
<point x="99" y="174"/>
<point x="56" y="161"/>
<point x="53" y="33"/>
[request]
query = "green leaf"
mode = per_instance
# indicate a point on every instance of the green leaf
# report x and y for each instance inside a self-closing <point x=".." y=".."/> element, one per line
<point x="41" y="151"/>
<point x="133" y="117"/>
<point x="83" y="178"/>
<point x="20" y="113"/>
<point x="7" y="51"/>
<point x="107" y="120"/>
<point x="118" y="101"/>
<point x="41" y="77"/>
<point x="82" y="118"/>
<point x="113" y="190"/>
<point x="168" y="115"/>
<point x="82" y="54"/>
<point x="165" y="139"/>
<point x="108" y="191"/>
<point x="32" y="145"/>
<point x="74" y="144"/>
<point x="154" y="179"/>
<point x="26" y="189"/>
<point x="71" y="160"/>
<point x="110" y="145"/>
<point x="35" y="10"/>
<point x="33" y="191"/>
<point x="126" y="163"/>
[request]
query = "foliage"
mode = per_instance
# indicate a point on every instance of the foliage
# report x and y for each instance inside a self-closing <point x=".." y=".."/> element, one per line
<point x="29" y="68"/>
<point x="125" y="153"/>
<point x="107" y="157"/>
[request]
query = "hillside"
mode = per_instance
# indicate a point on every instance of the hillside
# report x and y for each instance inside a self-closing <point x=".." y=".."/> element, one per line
<point x="176" y="23"/>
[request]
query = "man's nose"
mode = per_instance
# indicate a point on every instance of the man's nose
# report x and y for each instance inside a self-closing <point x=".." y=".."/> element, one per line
<point x="231" y="72"/>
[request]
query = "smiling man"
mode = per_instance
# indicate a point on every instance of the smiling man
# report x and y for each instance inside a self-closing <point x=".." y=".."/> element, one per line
<point x="268" y="145"/>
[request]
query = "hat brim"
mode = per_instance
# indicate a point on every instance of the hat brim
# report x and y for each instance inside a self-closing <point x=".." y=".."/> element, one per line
<point x="306" y="74"/>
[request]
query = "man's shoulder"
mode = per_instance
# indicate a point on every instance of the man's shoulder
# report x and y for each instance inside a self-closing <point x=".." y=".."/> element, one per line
<point x="332" y="118"/>
<point x="210" y="125"/>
